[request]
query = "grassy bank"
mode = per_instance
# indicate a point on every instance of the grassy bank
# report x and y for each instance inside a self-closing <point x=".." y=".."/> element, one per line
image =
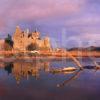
<point x="23" y="54"/>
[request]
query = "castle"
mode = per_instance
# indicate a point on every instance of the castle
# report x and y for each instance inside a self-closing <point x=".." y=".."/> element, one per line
<point x="24" y="40"/>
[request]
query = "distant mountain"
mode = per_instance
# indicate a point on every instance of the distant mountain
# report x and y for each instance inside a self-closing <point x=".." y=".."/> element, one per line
<point x="91" y="48"/>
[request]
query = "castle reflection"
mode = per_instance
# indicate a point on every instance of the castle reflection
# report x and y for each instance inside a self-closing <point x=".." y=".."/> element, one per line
<point x="25" y="69"/>
<point x="20" y="70"/>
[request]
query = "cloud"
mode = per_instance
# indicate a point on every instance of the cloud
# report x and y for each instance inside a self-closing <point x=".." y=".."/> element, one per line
<point x="25" y="9"/>
<point x="84" y="20"/>
<point x="89" y="39"/>
<point x="14" y="12"/>
<point x="90" y="36"/>
<point x="37" y="10"/>
<point x="79" y="17"/>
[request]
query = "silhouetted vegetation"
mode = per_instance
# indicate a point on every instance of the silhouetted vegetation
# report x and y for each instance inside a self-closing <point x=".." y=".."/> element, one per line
<point x="9" y="40"/>
<point x="32" y="47"/>
<point x="8" y="43"/>
<point x="8" y="67"/>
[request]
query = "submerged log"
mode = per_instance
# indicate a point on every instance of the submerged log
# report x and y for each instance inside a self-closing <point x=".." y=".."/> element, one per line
<point x="89" y="67"/>
<point x="63" y="70"/>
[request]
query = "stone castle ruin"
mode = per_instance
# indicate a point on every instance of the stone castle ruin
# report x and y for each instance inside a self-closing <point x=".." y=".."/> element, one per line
<point x="24" y="40"/>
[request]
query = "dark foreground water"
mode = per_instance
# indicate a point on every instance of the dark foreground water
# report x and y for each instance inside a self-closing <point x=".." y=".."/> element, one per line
<point x="34" y="80"/>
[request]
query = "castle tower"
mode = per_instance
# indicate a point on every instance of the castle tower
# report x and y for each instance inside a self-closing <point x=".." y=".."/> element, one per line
<point x="27" y="31"/>
<point x="18" y="39"/>
<point x="18" y="30"/>
<point x="36" y="34"/>
<point x="47" y="43"/>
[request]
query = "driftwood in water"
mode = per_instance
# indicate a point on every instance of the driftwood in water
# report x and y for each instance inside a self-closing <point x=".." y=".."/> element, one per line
<point x="89" y="67"/>
<point x="68" y="69"/>
<point x="70" y="79"/>
<point x="75" y="60"/>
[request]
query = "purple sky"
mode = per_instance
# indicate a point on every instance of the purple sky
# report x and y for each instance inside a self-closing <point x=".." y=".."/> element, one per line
<point x="68" y="22"/>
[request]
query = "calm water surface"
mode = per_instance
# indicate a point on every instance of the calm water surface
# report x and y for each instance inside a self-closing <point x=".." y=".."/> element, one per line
<point x="34" y="80"/>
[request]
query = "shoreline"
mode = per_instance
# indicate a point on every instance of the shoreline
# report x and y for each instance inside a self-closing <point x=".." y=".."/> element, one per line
<point x="21" y="55"/>
<point x="31" y="59"/>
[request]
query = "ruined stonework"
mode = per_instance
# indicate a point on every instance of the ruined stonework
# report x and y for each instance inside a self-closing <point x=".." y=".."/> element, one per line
<point x="23" y="39"/>
<point x="2" y="44"/>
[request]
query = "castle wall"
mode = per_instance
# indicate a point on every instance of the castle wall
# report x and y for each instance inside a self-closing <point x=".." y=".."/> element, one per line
<point x="2" y="44"/>
<point x="22" y="40"/>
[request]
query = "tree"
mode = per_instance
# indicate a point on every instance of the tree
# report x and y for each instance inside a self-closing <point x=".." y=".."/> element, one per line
<point x="9" y="40"/>
<point x="8" y="43"/>
<point x="7" y="47"/>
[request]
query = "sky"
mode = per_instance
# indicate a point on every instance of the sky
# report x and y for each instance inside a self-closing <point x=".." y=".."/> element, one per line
<point x="69" y="23"/>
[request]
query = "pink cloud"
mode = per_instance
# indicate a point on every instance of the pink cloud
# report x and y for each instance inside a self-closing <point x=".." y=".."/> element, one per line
<point x="31" y="9"/>
<point x="91" y="38"/>
<point x="13" y="12"/>
<point x="84" y="20"/>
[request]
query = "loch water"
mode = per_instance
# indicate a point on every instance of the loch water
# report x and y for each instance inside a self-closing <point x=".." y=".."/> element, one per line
<point x="35" y="80"/>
